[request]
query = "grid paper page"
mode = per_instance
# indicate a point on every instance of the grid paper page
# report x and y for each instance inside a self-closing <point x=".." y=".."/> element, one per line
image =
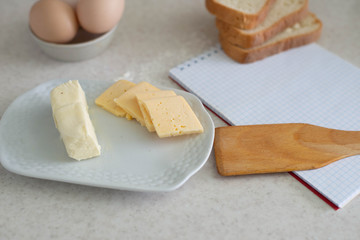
<point x="302" y="85"/>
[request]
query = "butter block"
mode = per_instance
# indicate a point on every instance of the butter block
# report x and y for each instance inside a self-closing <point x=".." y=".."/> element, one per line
<point x="141" y="97"/>
<point x="172" y="116"/>
<point x="106" y="99"/>
<point x="129" y="103"/>
<point x="67" y="94"/>
<point x="71" y="117"/>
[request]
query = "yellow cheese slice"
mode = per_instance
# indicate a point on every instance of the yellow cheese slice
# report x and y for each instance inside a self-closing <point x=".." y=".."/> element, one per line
<point x="128" y="117"/>
<point x="129" y="103"/>
<point x="141" y="97"/>
<point x="71" y="117"/>
<point x="106" y="99"/>
<point x="172" y="116"/>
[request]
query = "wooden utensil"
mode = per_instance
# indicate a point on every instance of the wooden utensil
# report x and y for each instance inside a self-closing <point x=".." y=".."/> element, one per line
<point x="280" y="147"/>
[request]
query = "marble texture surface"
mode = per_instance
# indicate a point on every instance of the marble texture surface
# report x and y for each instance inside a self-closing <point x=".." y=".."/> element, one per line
<point x="154" y="36"/>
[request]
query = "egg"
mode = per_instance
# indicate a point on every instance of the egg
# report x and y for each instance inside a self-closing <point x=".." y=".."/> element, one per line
<point x="53" y="21"/>
<point x="71" y="2"/>
<point x="99" y="16"/>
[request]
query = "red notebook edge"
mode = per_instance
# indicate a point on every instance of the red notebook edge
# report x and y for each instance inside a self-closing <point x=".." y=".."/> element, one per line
<point x="317" y="193"/>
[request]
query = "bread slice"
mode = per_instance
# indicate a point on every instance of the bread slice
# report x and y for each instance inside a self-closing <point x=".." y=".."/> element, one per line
<point x="306" y="31"/>
<point x="245" y="14"/>
<point x="283" y="14"/>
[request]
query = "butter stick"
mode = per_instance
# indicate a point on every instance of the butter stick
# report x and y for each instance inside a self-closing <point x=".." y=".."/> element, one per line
<point x="71" y="117"/>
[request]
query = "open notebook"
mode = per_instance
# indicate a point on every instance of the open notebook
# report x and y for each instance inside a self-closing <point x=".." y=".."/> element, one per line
<point x="302" y="85"/>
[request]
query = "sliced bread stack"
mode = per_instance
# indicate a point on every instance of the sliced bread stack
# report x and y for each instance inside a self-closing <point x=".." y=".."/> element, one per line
<point x="250" y="30"/>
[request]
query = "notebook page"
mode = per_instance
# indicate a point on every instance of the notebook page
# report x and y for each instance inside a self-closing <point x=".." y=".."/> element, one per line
<point x="302" y="85"/>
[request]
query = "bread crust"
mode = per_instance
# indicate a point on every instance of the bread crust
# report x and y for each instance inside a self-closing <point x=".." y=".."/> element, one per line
<point x="239" y="19"/>
<point x="244" y="55"/>
<point x="245" y="39"/>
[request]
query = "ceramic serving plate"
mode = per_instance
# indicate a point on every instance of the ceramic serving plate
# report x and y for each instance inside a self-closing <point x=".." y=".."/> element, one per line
<point x="131" y="159"/>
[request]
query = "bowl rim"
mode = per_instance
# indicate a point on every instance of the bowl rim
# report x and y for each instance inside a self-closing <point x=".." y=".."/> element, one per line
<point x="73" y="45"/>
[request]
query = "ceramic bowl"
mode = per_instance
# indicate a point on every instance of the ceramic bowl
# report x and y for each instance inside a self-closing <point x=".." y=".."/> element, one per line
<point x="83" y="46"/>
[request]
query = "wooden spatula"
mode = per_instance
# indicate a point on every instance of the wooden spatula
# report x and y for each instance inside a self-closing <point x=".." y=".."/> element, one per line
<point x="280" y="147"/>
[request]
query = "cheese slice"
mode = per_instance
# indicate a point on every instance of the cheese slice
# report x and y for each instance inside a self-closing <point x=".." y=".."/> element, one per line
<point x="129" y="103"/>
<point x="141" y="97"/>
<point x="71" y="117"/>
<point x="172" y="116"/>
<point x="106" y="99"/>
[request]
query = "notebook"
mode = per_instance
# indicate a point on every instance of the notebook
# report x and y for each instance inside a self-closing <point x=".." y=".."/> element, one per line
<point x="304" y="85"/>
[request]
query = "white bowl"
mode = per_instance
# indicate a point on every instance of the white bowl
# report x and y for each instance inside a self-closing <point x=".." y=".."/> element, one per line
<point x="84" y="46"/>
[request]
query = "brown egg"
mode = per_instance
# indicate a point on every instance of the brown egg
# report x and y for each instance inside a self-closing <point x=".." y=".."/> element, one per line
<point x="53" y="21"/>
<point x="71" y="2"/>
<point x="99" y="16"/>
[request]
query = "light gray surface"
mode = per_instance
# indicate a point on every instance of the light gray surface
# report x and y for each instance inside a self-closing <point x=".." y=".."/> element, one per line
<point x="154" y="36"/>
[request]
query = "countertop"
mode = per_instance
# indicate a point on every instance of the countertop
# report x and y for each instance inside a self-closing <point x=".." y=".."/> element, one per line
<point x="153" y="37"/>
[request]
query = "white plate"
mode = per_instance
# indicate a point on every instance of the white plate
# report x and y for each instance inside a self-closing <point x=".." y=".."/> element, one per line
<point x="131" y="159"/>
